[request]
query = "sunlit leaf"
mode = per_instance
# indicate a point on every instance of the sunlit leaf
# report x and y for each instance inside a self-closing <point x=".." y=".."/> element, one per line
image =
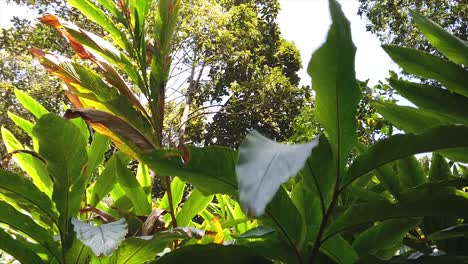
<point x="34" y="167"/>
<point x="426" y="65"/>
<point x="452" y="47"/>
<point x="20" y="250"/>
<point x="20" y="222"/>
<point x="400" y="146"/>
<point x="63" y="147"/>
<point x="337" y="91"/>
<point x="30" y="104"/>
<point x="263" y="165"/>
<point x="103" y="239"/>
<point x="195" y="203"/>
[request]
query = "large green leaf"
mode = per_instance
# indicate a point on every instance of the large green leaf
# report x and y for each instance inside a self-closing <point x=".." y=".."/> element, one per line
<point x="426" y="65"/>
<point x="412" y="119"/>
<point x="78" y="253"/>
<point x="212" y="254"/>
<point x="337" y="91"/>
<point x="263" y="166"/>
<point x="101" y="239"/>
<point x="20" y="250"/>
<point x="210" y="169"/>
<point x="21" y="123"/>
<point x="433" y="98"/>
<point x="385" y="174"/>
<point x="34" y="167"/>
<point x="194" y="204"/>
<point x="20" y="222"/>
<point x="104" y="182"/>
<point x="30" y="104"/>
<point x="452" y="47"/>
<point x="63" y="147"/>
<point x="416" y="120"/>
<point x="89" y="9"/>
<point x="380" y="239"/>
<point x="338" y="249"/>
<point x="143" y="177"/>
<point x="177" y="191"/>
<point x="441" y="177"/>
<point x="96" y="152"/>
<point x="400" y="146"/>
<point x="440" y="169"/>
<point x="318" y="173"/>
<point x="136" y="250"/>
<point x="25" y="190"/>
<point x="131" y="187"/>
<point x="422" y="201"/>
<point x="283" y="215"/>
<point x="410" y="172"/>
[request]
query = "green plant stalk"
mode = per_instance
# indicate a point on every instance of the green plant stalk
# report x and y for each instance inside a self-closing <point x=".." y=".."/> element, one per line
<point x="318" y="239"/>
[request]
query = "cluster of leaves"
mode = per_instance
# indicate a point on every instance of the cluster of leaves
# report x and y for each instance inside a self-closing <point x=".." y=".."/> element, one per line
<point x="375" y="206"/>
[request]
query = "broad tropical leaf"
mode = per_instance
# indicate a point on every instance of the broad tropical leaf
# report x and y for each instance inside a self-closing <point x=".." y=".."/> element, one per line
<point x="98" y="16"/>
<point x="177" y="191"/>
<point x="129" y="184"/>
<point x="452" y="47"/>
<point x="30" y="104"/>
<point x="20" y="250"/>
<point x="338" y="249"/>
<point x="418" y="202"/>
<point x="434" y="98"/>
<point x="210" y="169"/>
<point x="63" y="147"/>
<point x="34" y="167"/>
<point x="414" y="120"/>
<point x="380" y="240"/>
<point x="337" y="91"/>
<point x="105" y="182"/>
<point x="426" y="65"/>
<point x="194" y="204"/>
<point x="400" y="146"/>
<point x="164" y="28"/>
<point x="410" y="172"/>
<point x="20" y="222"/>
<point x="263" y="166"/>
<point x="136" y="250"/>
<point x="103" y="239"/>
<point x="25" y="190"/>
<point x="96" y="152"/>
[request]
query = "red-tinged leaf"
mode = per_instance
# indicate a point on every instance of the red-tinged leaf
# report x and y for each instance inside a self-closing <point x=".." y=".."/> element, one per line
<point x="75" y="100"/>
<point x="51" y="62"/>
<point x="50" y="20"/>
<point x="114" y="127"/>
<point x="185" y="153"/>
<point x="54" y="21"/>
